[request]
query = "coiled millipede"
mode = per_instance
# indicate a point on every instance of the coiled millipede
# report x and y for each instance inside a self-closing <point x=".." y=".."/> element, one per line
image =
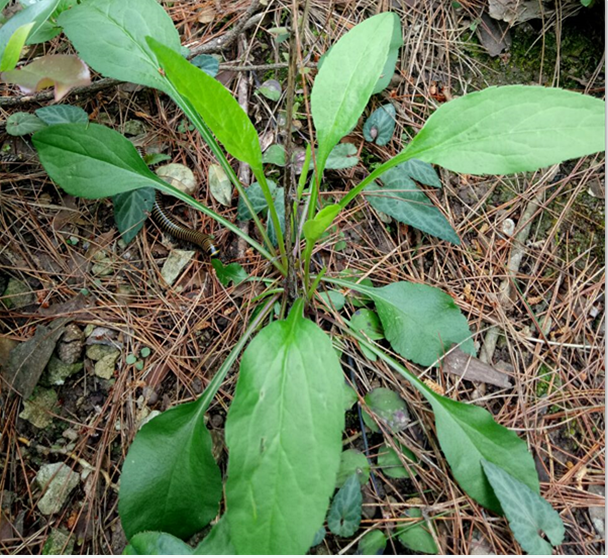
<point x="203" y="241"/>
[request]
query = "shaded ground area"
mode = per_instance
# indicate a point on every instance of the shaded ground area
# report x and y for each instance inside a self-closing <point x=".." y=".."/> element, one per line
<point x="125" y="346"/>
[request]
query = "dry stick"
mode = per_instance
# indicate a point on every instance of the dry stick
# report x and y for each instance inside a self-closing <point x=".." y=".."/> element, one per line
<point x="517" y="254"/>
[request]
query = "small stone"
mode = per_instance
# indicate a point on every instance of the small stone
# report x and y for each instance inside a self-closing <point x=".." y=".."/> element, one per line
<point x="105" y="367"/>
<point x="70" y="434"/>
<point x="179" y="176"/>
<point x="17" y="294"/>
<point x="6" y="346"/>
<point x="98" y="352"/>
<point x="58" y="543"/>
<point x="598" y="513"/>
<point x="57" y="480"/>
<point x="69" y="348"/>
<point x="58" y="371"/>
<point x="133" y="128"/>
<point x="101" y="336"/>
<point x="174" y="264"/>
<point x="39" y="408"/>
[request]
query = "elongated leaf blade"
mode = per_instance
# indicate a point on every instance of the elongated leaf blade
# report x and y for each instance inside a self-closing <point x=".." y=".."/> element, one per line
<point x="12" y="52"/>
<point x="218" y="108"/>
<point x="515" y="128"/>
<point x="528" y="513"/>
<point x="347" y="78"/>
<point x="170" y="481"/>
<point x="110" y="37"/>
<point x="284" y="432"/>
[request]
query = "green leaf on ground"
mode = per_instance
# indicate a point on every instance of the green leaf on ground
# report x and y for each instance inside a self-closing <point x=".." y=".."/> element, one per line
<point x="389" y="408"/>
<point x="402" y="199"/>
<point x="23" y="124"/>
<point x="278" y="197"/>
<point x="131" y="210"/>
<point x="217" y="542"/>
<point x="417" y="535"/>
<point x="271" y="89"/>
<point x="231" y="273"/>
<point x="366" y="321"/>
<point x="421" y="172"/>
<point x="170" y="481"/>
<point x="284" y="435"/>
<point x="275" y="155"/>
<point x="209" y="64"/>
<point x="344" y="514"/>
<point x="353" y="462"/>
<point x="380" y="126"/>
<point x="155" y="543"/>
<point x="528" y="513"/>
<point x="391" y="464"/>
<point x="372" y="543"/>
<point x="109" y="35"/>
<point x="342" y="156"/>
<point x="257" y="199"/>
<point x="62" y="114"/>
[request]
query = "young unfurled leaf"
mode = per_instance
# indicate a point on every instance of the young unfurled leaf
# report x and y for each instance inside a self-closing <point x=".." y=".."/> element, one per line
<point x="131" y="209"/>
<point x="170" y="481"/>
<point x="344" y="514"/>
<point x="347" y="78"/>
<point x="389" y="408"/>
<point x="403" y="200"/>
<point x="529" y="514"/>
<point x="23" y="123"/>
<point x="417" y="535"/>
<point x="284" y="435"/>
<point x="314" y="228"/>
<point x="231" y="273"/>
<point x="271" y="89"/>
<point x="342" y="156"/>
<point x="275" y="155"/>
<point x="110" y="36"/>
<point x="62" y="114"/>
<point x="220" y="185"/>
<point x="373" y="543"/>
<point x="392" y="465"/>
<point x="353" y="462"/>
<point x="380" y="126"/>
<point x="63" y="71"/>
<point x="154" y="542"/>
<point x="207" y="63"/>
<point x="12" y="52"/>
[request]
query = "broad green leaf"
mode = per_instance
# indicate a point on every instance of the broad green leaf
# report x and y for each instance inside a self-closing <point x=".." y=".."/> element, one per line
<point x="37" y="13"/>
<point x="353" y="462"/>
<point x="372" y="543"/>
<point x="220" y="186"/>
<point x="275" y="155"/>
<point x="314" y="228"/>
<point x="421" y="172"/>
<point x="62" y="114"/>
<point x="61" y="71"/>
<point x="23" y="123"/>
<point x="529" y="514"/>
<point x="344" y="514"/>
<point x="342" y="156"/>
<point x="131" y="209"/>
<point x="271" y="89"/>
<point x="366" y="321"/>
<point x="218" y="108"/>
<point x="49" y="29"/>
<point x="380" y="126"/>
<point x="231" y="273"/>
<point x="401" y="198"/>
<point x="420" y="322"/>
<point x="392" y="465"/>
<point x="347" y="79"/>
<point x="209" y="64"/>
<point x="417" y="535"/>
<point x="109" y="35"/>
<point x="284" y="431"/>
<point x="170" y="481"/>
<point x="217" y="542"/>
<point x="156" y="543"/>
<point x="257" y="199"/>
<point x="334" y="299"/>
<point x="12" y="52"/>
<point x="391" y="60"/>
<point x="389" y="408"/>
<point x="516" y="128"/>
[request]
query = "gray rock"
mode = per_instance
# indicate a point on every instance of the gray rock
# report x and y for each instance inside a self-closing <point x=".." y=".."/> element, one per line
<point x="58" y="371"/>
<point x="58" y="543"/>
<point x="598" y="513"/>
<point x="104" y="368"/>
<point x="69" y="348"/>
<point x="57" y="480"/>
<point x="17" y="294"/>
<point x="98" y="352"/>
<point x="39" y="408"/>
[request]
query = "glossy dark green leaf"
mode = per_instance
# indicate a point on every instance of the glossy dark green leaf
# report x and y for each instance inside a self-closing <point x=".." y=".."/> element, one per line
<point x="283" y="432"/>
<point x="353" y="462"/>
<point x="257" y="199"/>
<point x="344" y="514"/>
<point x="216" y="105"/>
<point x="421" y="172"/>
<point x="380" y="126"/>
<point x="417" y="535"/>
<point x="170" y="481"/>
<point x="342" y="156"/>
<point x="109" y="36"/>
<point x="347" y="79"/>
<point x="530" y="516"/>
<point x="62" y="114"/>
<point x="389" y="408"/>
<point x="231" y="273"/>
<point x="372" y="543"/>
<point x="23" y="123"/>
<point x="207" y="63"/>
<point x="131" y="209"/>
<point x="403" y="200"/>
<point x="516" y="128"/>
<point x="392" y="464"/>
<point x="319" y="536"/>
<point x="156" y="543"/>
